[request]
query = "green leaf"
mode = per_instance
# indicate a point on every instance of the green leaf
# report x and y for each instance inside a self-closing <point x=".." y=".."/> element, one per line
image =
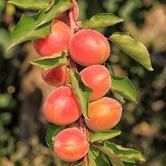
<point x="50" y="62"/>
<point x="104" y="135"/>
<point x="123" y="87"/>
<point x="128" y="164"/>
<point x="128" y="160"/>
<point x="120" y="161"/>
<point x="97" y="158"/>
<point x="52" y="131"/>
<point x="101" y="20"/>
<point x="117" y="96"/>
<point x="58" y="7"/>
<point x="27" y="29"/>
<point x="30" y="4"/>
<point x="116" y="151"/>
<point x="133" y="48"/>
<point x="81" y="91"/>
<point x="116" y="161"/>
<point x="64" y="163"/>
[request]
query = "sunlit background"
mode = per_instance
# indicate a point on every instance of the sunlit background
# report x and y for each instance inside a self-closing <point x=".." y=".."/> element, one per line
<point x="22" y="90"/>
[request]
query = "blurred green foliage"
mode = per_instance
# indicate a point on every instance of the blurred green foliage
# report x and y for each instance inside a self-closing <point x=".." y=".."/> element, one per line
<point x="143" y="125"/>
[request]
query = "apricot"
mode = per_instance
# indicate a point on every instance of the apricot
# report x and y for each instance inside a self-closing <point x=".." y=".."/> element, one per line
<point x="61" y="107"/>
<point x="104" y="114"/>
<point x="98" y="78"/>
<point x="89" y="47"/>
<point x="57" y="76"/>
<point x="55" y="42"/>
<point x="70" y="145"/>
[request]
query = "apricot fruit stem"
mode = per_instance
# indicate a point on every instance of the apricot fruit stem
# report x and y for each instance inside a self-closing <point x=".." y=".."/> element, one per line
<point x="72" y="23"/>
<point x="81" y="127"/>
<point x="85" y="160"/>
<point x="72" y="64"/>
<point x="94" y="146"/>
<point x="80" y="124"/>
<point x="69" y="163"/>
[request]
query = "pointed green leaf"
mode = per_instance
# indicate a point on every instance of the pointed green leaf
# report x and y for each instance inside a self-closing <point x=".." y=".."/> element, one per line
<point x="116" y="151"/>
<point x="101" y="20"/>
<point x="81" y="91"/>
<point x="52" y="131"/>
<point x="133" y="48"/>
<point x="104" y="135"/>
<point x="59" y="6"/>
<point x="50" y="62"/>
<point x="97" y="158"/>
<point x="123" y="87"/>
<point x="31" y="4"/>
<point x="27" y="29"/>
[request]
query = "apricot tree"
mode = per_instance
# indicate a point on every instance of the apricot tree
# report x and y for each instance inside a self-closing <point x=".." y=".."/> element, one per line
<point x="74" y="59"/>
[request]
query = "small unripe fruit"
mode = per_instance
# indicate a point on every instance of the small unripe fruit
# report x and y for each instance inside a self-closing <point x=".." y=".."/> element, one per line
<point x="61" y="107"/>
<point x="89" y="47"/>
<point x="104" y="114"/>
<point x="55" y="42"/>
<point x="57" y="76"/>
<point x="98" y="78"/>
<point x="70" y="145"/>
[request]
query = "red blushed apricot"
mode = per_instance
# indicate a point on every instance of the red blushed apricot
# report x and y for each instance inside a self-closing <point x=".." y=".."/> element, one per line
<point x="57" y="76"/>
<point x="61" y="107"/>
<point x="104" y="114"/>
<point x="55" y="42"/>
<point x="98" y="78"/>
<point x="70" y="145"/>
<point x="89" y="47"/>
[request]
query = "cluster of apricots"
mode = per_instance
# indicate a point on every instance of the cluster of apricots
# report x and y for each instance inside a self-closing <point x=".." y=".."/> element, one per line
<point x="90" y="49"/>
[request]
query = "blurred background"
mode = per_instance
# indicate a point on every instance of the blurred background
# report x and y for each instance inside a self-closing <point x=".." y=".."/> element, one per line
<point x="22" y="90"/>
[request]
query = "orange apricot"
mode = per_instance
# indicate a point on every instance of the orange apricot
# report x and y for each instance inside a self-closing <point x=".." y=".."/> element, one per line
<point x="70" y="145"/>
<point x="55" y="42"/>
<point x="104" y="114"/>
<point x="98" y="78"/>
<point x="61" y="107"/>
<point x="89" y="47"/>
<point x="57" y="76"/>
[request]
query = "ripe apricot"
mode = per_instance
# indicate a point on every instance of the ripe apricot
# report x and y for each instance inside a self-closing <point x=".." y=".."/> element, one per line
<point x="57" y="76"/>
<point x="98" y="78"/>
<point x="104" y="114"/>
<point x="55" y="42"/>
<point x="70" y="145"/>
<point x="89" y="47"/>
<point x="61" y="107"/>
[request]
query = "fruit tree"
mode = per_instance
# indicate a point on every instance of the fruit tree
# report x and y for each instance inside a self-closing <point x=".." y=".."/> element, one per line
<point x="88" y="100"/>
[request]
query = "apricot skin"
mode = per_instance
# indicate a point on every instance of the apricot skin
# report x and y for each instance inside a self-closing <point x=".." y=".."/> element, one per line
<point x="61" y="107"/>
<point x="55" y="42"/>
<point x="70" y="145"/>
<point x="89" y="47"/>
<point x="104" y="114"/>
<point x="98" y="78"/>
<point x="57" y="76"/>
